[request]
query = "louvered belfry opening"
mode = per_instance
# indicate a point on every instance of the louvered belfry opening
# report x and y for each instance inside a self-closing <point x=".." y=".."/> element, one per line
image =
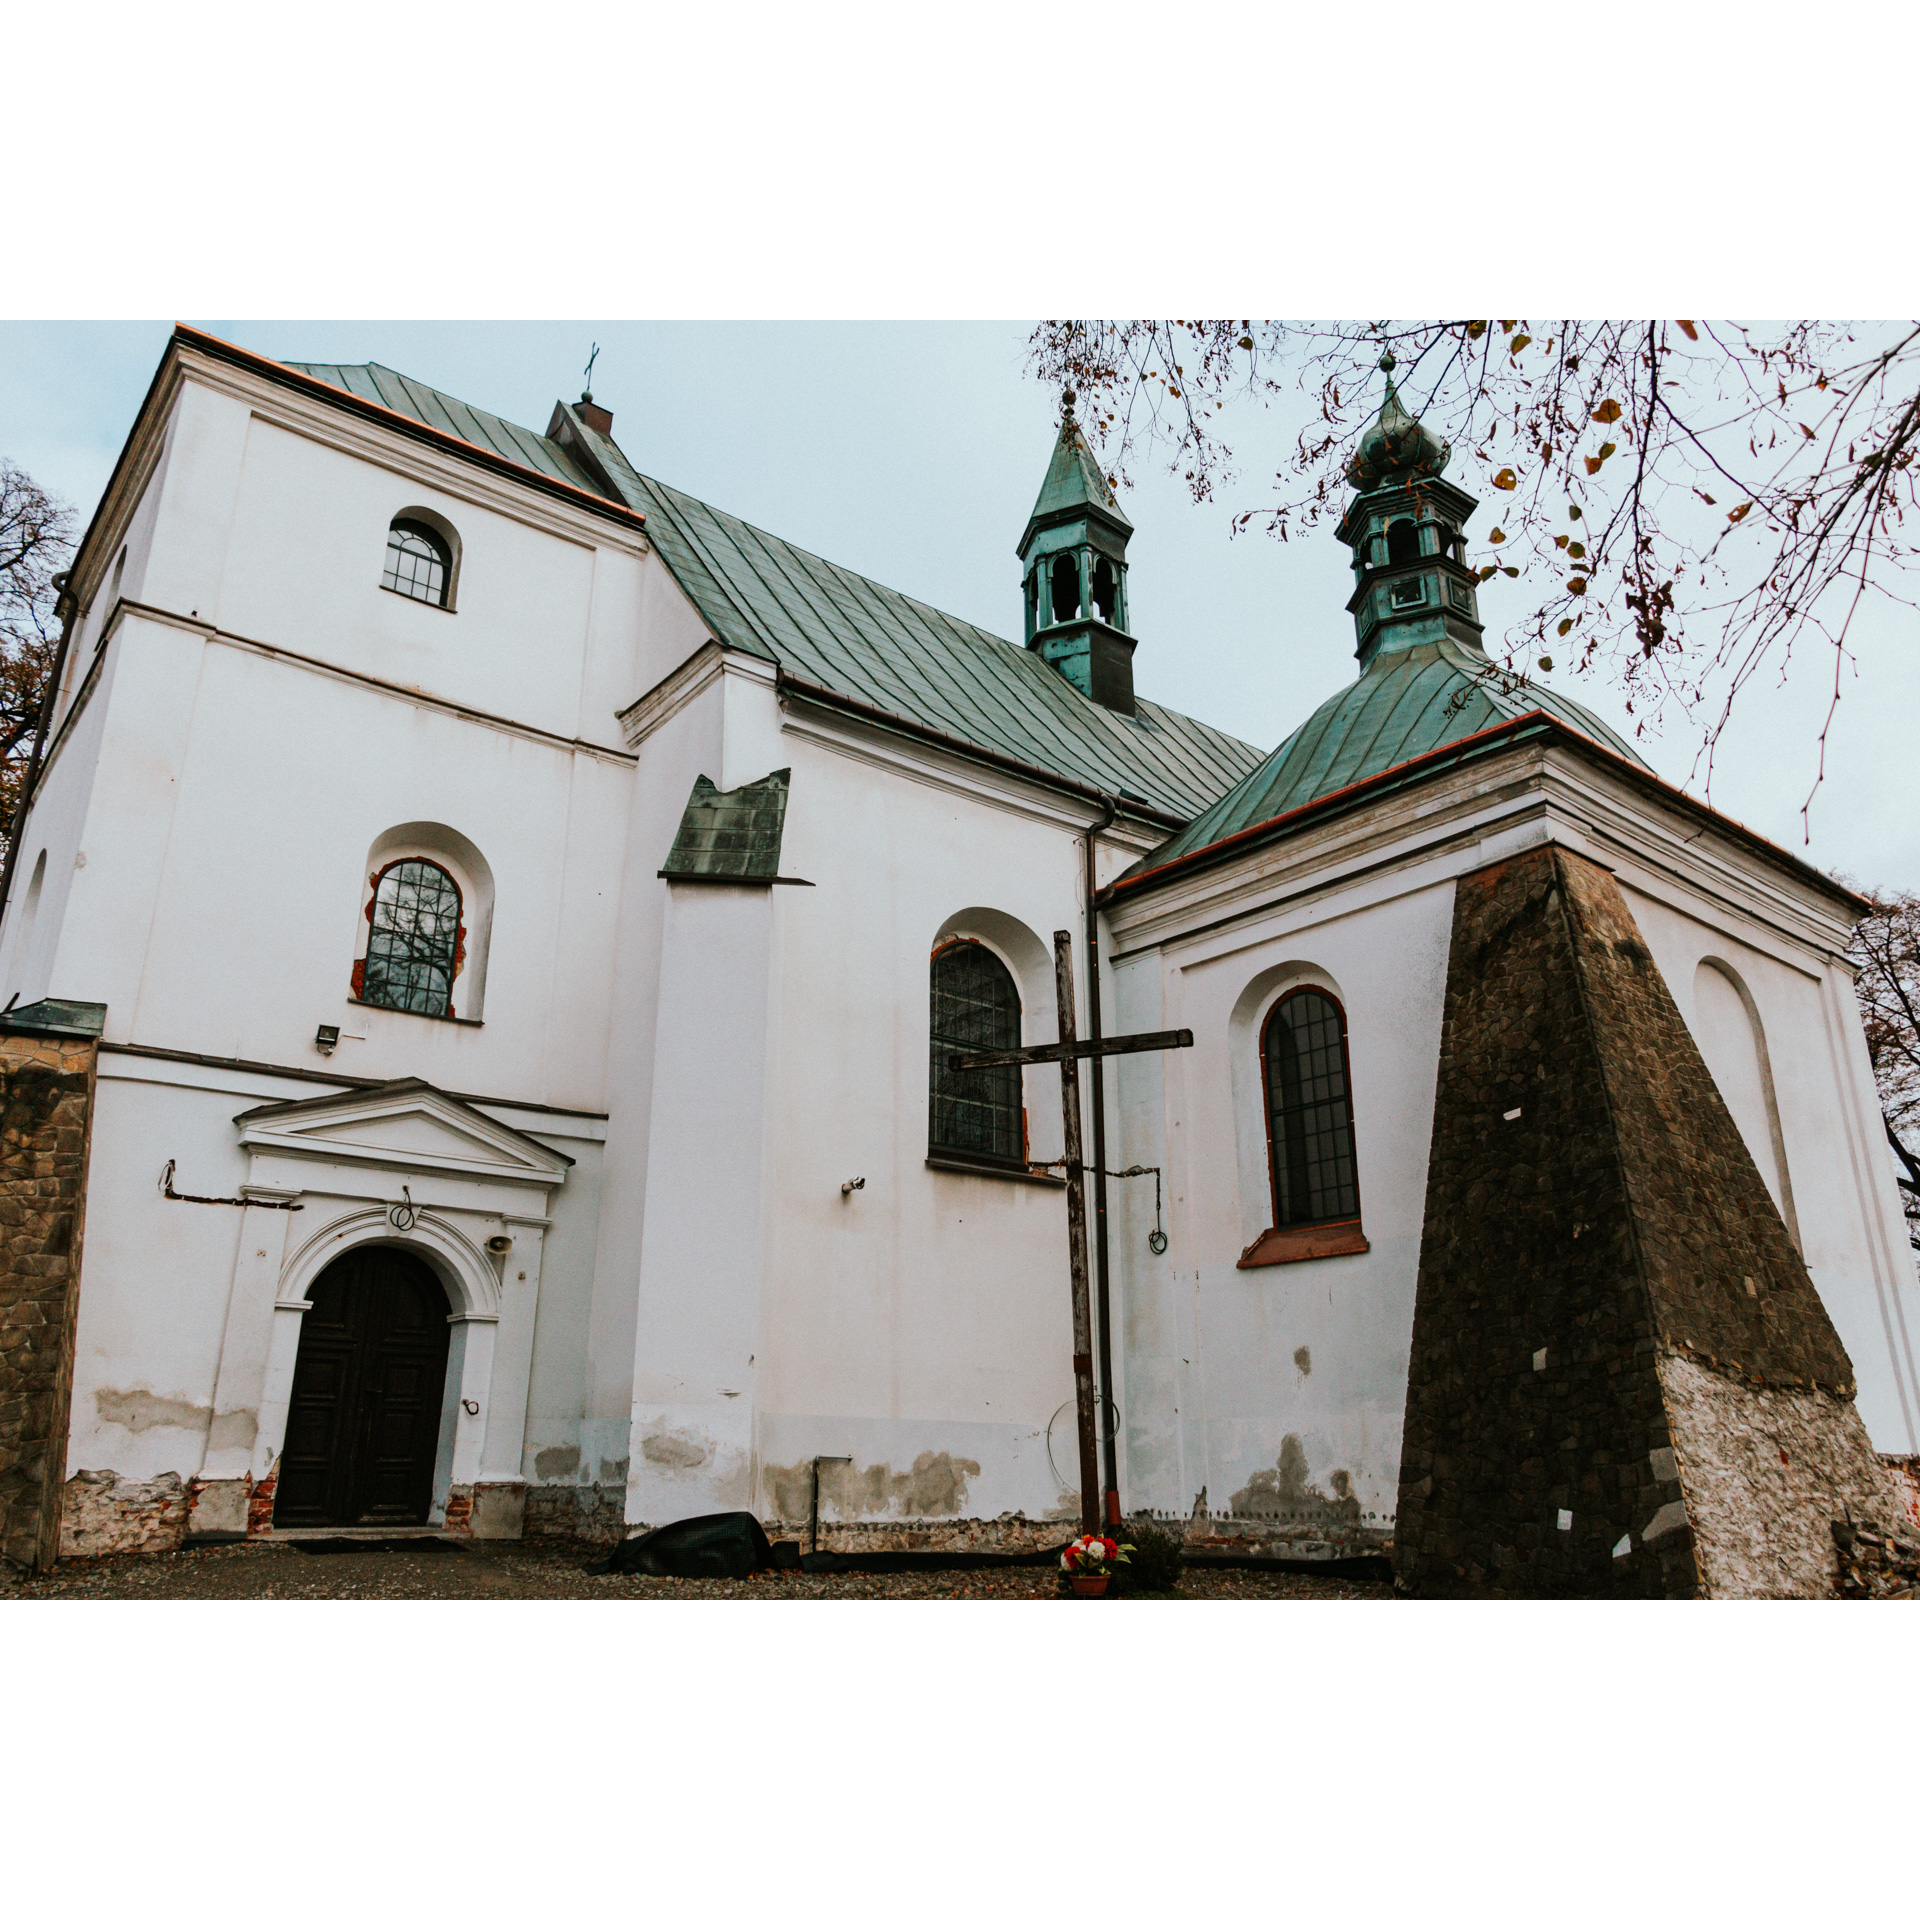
<point x="976" y="1009"/>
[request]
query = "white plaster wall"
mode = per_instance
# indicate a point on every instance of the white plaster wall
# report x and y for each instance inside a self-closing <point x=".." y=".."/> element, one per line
<point x="227" y="841"/>
<point x="1224" y="1366"/>
<point x="921" y="1325"/>
<point x="303" y="570"/>
<point x="156" y="1277"/>
<point x="56" y="826"/>
<point x="688" y="744"/>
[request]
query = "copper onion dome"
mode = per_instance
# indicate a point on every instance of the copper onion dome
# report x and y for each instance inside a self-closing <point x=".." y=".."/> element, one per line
<point x="1396" y="448"/>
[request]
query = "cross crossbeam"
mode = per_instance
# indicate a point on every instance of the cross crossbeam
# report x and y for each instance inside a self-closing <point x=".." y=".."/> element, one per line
<point x="1064" y="1050"/>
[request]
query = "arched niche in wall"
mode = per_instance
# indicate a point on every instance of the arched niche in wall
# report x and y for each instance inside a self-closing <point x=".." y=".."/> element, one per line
<point x="1734" y="1044"/>
<point x="1030" y="961"/>
<point x="31" y="910"/>
<point x="444" y="847"/>
<point x="1244" y="1024"/>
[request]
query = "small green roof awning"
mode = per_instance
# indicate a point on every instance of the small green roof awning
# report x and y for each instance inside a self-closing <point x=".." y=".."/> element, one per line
<point x="731" y="836"/>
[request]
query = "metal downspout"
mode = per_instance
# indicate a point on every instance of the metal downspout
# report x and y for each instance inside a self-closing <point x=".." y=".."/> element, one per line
<point x="1109" y="1451"/>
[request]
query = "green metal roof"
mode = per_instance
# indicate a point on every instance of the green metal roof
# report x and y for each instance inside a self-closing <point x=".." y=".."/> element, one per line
<point x="435" y="409"/>
<point x="1406" y="704"/>
<point x="835" y="628"/>
<point x="1074" y="483"/>
<point x="733" y="835"/>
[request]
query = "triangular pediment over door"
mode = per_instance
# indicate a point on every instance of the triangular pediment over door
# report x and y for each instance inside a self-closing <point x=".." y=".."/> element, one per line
<point x="406" y="1124"/>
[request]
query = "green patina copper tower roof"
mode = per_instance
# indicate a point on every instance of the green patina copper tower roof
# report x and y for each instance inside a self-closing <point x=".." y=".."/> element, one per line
<point x="1074" y="484"/>
<point x="1425" y="682"/>
<point x="1407" y="704"/>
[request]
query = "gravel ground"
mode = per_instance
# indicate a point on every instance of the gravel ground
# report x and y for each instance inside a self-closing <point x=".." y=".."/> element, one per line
<point x="521" y="1570"/>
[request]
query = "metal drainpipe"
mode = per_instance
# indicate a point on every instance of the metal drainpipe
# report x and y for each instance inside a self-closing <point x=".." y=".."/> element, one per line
<point x="32" y="780"/>
<point x="1109" y="1452"/>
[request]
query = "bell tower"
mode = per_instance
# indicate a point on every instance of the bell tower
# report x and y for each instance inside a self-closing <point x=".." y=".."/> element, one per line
<point x="1412" y="584"/>
<point x="1074" y="557"/>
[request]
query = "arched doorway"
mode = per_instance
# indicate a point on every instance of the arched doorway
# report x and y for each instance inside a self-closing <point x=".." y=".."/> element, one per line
<point x="363" y="1422"/>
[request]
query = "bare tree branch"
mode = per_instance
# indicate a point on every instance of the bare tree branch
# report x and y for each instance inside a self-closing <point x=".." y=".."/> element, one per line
<point x="1767" y="492"/>
<point x="36" y="541"/>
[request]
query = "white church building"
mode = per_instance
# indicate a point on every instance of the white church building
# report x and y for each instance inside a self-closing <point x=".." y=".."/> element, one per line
<point x="523" y="915"/>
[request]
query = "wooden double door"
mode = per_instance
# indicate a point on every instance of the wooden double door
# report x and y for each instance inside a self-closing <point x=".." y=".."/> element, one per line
<point x="363" y="1425"/>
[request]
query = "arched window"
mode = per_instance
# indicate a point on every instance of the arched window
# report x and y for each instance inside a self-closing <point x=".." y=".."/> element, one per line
<point x="1403" y="543"/>
<point x="976" y="1009"/>
<point x="419" y="561"/>
<point x="1309" y="1112"/>
<point x="415" y="939"/>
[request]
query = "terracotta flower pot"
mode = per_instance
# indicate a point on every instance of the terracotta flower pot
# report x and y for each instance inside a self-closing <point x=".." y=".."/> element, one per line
<point x="1089" y="1586"/>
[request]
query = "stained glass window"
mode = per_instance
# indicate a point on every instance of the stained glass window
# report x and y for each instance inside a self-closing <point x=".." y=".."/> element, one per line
<point x="976" y="1009"/>
<point x="413" y="948"/>
<point x="418" y="562"/>
<point x="1309" y="1113"/>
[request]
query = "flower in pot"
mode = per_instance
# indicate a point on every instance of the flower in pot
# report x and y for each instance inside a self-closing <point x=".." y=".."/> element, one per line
<point x="1089" y="1563"/>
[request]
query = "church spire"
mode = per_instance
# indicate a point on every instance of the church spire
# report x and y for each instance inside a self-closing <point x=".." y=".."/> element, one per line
<point x="1074" y="558"/>
<point x="1412" y="586"/>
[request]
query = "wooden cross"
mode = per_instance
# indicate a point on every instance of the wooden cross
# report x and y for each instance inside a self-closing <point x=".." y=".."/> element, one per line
<point x="1070" y="1052"/>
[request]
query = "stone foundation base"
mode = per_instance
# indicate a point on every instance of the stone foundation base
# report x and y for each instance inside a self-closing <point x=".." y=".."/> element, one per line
<point x="103" y="1513"/>
<point x="1009" y="1533"/>
<point x="1874" y="1565"/>
<point x="595" y="1515"/>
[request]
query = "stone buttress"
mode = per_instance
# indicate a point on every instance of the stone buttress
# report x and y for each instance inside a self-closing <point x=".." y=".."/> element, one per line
<point x="1622" y="1381"/>
<point x="46" y="1105"/>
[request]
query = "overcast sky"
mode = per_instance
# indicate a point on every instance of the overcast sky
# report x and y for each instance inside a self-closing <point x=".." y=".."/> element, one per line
<point x="913" y="451"/>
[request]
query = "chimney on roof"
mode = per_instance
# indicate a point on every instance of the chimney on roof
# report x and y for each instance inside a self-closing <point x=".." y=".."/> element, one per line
<point x="598" y="418"/>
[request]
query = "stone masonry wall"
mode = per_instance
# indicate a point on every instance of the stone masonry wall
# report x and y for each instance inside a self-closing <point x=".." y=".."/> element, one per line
<point x="1622" y="1380"/>
<point x="46" y="1107"/>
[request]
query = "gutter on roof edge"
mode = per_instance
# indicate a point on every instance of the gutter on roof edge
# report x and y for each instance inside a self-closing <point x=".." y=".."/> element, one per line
<point x="1506" y="733"/>
<point x="826" y="696"/>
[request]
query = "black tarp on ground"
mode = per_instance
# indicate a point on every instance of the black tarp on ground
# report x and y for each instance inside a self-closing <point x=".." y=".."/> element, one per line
<point x="710" y="1546"/>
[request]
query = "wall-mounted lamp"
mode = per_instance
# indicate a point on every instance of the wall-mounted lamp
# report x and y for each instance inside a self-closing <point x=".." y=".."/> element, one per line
<point x="852" y="1186"/>
<point x="326" y="1038"/>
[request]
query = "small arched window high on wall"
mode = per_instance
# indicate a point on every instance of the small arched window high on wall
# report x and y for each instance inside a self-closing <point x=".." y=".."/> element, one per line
<point x="419" y="562"/>
<point x="1403" y="543"/>
<point x="414" y="941"/>
<point x="1309" y="1112"/>
<point x="976" y="1009"/>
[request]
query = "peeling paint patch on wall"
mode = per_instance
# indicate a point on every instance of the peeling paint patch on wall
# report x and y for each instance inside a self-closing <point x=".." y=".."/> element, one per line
<point x="935" y="1484"/>
<point x="665" y="1446"/>
<point x="1286" y="1490"/>
<point x="138" y="1410"/>
<point x="558" y="1463"/>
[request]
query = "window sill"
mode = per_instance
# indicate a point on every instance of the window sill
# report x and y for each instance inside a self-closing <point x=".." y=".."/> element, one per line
<point x="992" y="1170"/>
<point x="1280" y="1245"/>
<point x="438" y="606"/>
<point x="439" y="1019"/>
